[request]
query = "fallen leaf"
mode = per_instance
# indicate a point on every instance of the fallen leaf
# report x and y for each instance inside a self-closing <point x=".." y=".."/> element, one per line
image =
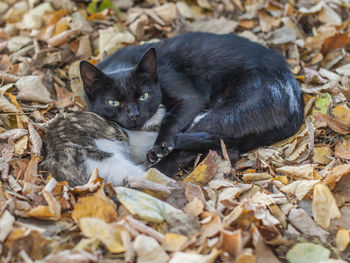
<point x="215" y="25"/>
<point x="31" y="89"/>
<point x="210" y="224"/>
<point x="333" y="124"/>
<point x="181" y="257"/>
<point x="106" y="233"/>
<point x="148" y="250"/>
<point x="320" y="155"/>
<point x="6" y="106"/>
<point x="322" y="104"/>
<point x="6" y="225"/>
<point x="342" y="114"/>
<point x="145" y="206"/>
<point x="97" y="205"/>
<point x="342" y="239"/>
<point x="300" y="188"/>
<point x="110" y="40"/>
<point x="324" y="208"/>
<point x="303" y="222"/>
<point x="307" y="253"/>
<point x="246" y="257"/>
<point x="35" y="139"/>
<point x="173" y="242"/>
<point x="305" y="171"/>
<point x="338" y="40"/>
<point x="68" y="256"/>
<point x="13" y="134"/>
<point x="33" y="19"/>
<point x="342" y="150"/>
<point x="21" y="145"/>
<point x="205" y="171"/>
<point x="232" y="242"/>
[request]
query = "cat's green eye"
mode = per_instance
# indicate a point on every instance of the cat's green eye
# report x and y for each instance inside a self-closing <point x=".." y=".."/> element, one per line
<point x="113" y="103"/>
<point x="144" y="96"/>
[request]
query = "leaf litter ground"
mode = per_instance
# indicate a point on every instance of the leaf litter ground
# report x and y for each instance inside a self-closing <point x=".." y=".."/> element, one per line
<point x="288" y="202"/>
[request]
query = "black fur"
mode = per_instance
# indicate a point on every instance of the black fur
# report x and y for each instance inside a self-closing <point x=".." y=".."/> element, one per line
<point x="251" y="97"/>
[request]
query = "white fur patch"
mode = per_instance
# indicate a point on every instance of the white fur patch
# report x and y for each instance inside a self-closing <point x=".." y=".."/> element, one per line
<point x="156" y="119"/>
<point x="198" y="118"/>
<point x="140" y="143"/>
<point x="117" y="167"/>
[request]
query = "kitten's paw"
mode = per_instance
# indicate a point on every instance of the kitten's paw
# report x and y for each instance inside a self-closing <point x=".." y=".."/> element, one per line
<point x="159" y="151"/>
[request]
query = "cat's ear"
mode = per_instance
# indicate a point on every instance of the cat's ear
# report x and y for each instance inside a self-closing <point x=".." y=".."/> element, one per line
<point x="89" y="74"/>
<point x="148" y="63"/>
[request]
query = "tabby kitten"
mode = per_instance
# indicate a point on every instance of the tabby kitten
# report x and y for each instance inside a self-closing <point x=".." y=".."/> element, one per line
<point x="77" y="143"/>
<point x="247" y="93"/>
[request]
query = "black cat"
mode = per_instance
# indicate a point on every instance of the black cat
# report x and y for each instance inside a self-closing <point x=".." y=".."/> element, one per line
<point x="240" y="91"/>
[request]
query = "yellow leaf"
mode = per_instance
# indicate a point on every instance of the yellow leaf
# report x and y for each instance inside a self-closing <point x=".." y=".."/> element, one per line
<point x="320" y="154"/>
<point x="204" y="172"/>
<point x="97" y="205"/>
<point x="173" y="242"/>
<point x="342" y="239"/>
<point x="283" y="179"/>
<point x="324" y="207"/>
<point x="89" y="244"/>
<point x="42" y="212"/>
<point x="342" y="114"/>
<point x="98" y="229"/>
<point x="21" y="145"/>
<point x="62" y="25"/>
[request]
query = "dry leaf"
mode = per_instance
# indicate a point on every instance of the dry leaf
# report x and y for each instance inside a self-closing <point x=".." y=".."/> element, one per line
<point x="205" y="171"/>
<point x="106" y="233"/>
<point x="31" y="89"/>
<point x="324" y="208"/>
<point x="232" y="242"/>
<point x="13" y="134"/>
<point x="342" y="150"/>
<point x="300" y="188"/>
<point x="181" y="257"/>
<point x="35" y="139"/>
<point x="320" y="155"/>
<point x="303" y="222"/>
<point x="342" y="239"/>
<point x="173" y="242"/>
<point x="342" y="114"/>
<point x="97" y="205"/>
<point x="6" y="106"/>
<point x="301" y="171"/>
<point x="333" y="124"/>
<point x="6" y="225"/>
<point x="148" y="250"/>
<point x="210" y="224"/>
<point x="21" y="145"/>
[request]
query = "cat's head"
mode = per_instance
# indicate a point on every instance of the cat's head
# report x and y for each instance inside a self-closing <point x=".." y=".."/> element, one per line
<point x="128" y="96"/>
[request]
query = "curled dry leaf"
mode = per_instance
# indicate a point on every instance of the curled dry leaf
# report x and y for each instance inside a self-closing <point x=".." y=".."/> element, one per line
<point x="305" y="171"/>
<point x="324" y="208"/>
<point x="13" y="134"/>
<point x="62" y="37"/>
<point x="35" y="139"/>
<point x="6" y="225"/>
<point x="6" y="106"/>
<point x="68" y="256"/>
<point x="300" y="188"/>
<point x="21" y="145"/>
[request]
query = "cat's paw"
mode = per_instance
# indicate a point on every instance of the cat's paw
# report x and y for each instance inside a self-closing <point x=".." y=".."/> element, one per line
<point x="159" y="151"/>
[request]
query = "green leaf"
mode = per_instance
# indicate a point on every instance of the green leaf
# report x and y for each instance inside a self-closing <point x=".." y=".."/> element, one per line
<point x="144" y="205"/>
<point x="99" y="6"/>
<point x="322" y="104"/>
<point x="307" y="253"/>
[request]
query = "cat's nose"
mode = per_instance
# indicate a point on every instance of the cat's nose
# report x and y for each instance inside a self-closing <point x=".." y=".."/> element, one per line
<point x="133" y="112"/>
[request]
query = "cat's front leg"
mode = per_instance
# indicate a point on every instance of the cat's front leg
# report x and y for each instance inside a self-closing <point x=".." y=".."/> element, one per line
<point x="178" y="118"/>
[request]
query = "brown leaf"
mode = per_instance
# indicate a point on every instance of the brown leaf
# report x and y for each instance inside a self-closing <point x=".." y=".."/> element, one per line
<point x="338" y="40"/>
<point x="333" y="124"/>
<point x="342" y="150"/>
<point x="232" y="242"/>
<point x="35" y="139"/>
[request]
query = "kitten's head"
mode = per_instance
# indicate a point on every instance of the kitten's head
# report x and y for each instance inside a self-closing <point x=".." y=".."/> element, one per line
<point x="128" y="96"/>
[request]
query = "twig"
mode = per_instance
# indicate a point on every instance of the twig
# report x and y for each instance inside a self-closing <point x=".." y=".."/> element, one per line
<point x="141" y="227"/>
<point x="148" y="185"/>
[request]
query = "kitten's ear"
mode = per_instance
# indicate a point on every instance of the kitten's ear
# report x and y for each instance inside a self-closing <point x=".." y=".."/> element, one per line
<point x="89" y="74"/>
<point x="148" y="63"/>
